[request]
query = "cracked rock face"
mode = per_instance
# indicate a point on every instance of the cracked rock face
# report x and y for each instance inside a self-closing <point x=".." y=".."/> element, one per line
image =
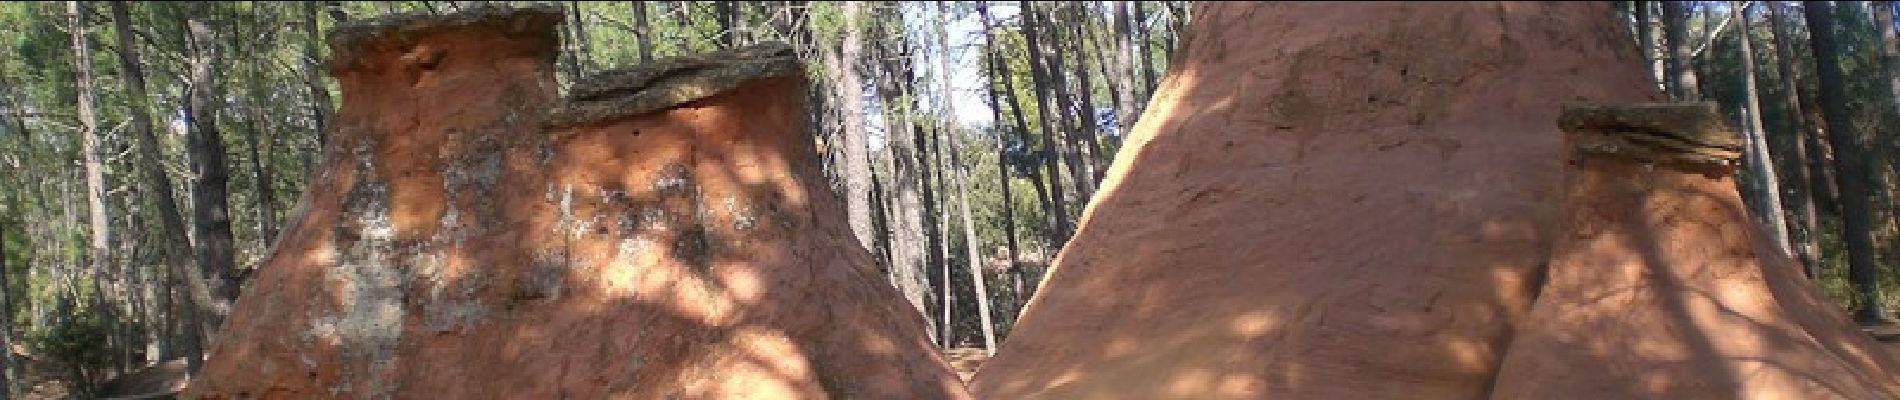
<point x="661" y="233"/>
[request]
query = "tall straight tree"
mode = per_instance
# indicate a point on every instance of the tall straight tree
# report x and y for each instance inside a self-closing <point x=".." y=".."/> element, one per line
<point x="578" y="23"/>
<point x="1090" y="133"/>
<point x="1646" y="35"/>
<point x="1682" y="79"/>
<point x="850" y="95"/>
<point x="263" y="179"/>
<point x="1797" y="139"/>
<point x="99" y="227"/>
<point x="1760" y="162"/>
<point x="1124" y="74"/>
<point x="1051" y="147"/>
<point x="641" y="41"/>
<point x="1851" y="166"/>
<point x="959" y="175"/>
<point x="1890" y="79"/>
<point x="1074" y="124"/>
<point x="6" y="321"/>
<point x="211" y="210"/>
<point x="998" y="73"/>
<point x="912" y="244"/>
<point x="1145" y="35"/>
<point x="313" y="73"/>
<point x="177" y="250"/>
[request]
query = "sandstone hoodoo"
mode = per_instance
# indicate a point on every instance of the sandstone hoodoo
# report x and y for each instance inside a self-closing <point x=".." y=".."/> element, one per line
<point x="660" y="233"/>
<point x="1661" y="287"/>
<point x="1323" y="201"/>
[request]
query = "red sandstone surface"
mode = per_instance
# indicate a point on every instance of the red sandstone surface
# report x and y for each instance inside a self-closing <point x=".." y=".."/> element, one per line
<point x="456" y="244"/>
<point x="1361" y="201"/>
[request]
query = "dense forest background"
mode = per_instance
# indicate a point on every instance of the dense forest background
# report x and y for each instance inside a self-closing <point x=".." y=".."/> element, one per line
<point x="149" y="151"/>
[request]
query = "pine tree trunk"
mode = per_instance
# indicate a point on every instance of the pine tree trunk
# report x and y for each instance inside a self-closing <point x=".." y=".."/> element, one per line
<point x="998" y="71"/>
<point x="958" y="176"/>
<point x="1147" y="55"/>
<point x="1890" y="63"/>
<point x="582" y="48"/>
<point x="1646" y="37"/>
<point x="857" y="165"/>
<point x="320" y="104"/>
<point x="910" y="199"/>
<point x="1851" y="165"/>
<point x="641" y="41"/>
<point x="1808" y="245"/>
<point x="7" y="375"/>
<point x="178" y="252"/>
<point x="211" y="209"/>
<point x="1092" y="159"/>
<point x="1075" y="122"/>
<point x="1682" y="79"/>
<point x="98" y="225"/>
<point x="1052" y="148"/>
<point x="261" y="169"/>
<point x="100" y="228"/>
<point x="1125" y="105"/>
<point x="728" y="16"/>
<point x="1760" y="160"/>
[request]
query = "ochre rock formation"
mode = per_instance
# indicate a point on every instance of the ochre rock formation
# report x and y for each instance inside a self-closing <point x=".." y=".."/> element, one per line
<point x="1660" y="287"/>
<point x="1372" y="201"/>
<point x="662" y="233"/>
<point x="1323" y="201"/>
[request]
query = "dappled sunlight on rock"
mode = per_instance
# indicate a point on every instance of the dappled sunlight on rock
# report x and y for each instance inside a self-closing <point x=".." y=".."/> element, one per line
<point x="1341" y="200"/>
<point x="1660" y="287"/>
<point x="471" y="236"/>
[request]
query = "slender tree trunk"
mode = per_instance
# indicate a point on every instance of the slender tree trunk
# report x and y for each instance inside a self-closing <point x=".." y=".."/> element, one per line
<point x="100" y="228"/>
<point x="857" y="165"/>
<point x="211" y="210"/>
<point x="1808" y="248"/>
<point x="1125" y="112"/>
<point x="98" y="225"/>
<point x="1000" y="72"/>
<point x="910" y="199"/>
<point x="1676" y="30"/>
<point x="1173" y="29"/>
<point x="570" y="45"/>
<point x="1075" y="119"/>
<point x="1052" y="148"/>
<point x="313" y="74"/>
<point x="1761" y="163"/>
<point x="959" y="175"/>
<point x="1091" y="145"/>
<point x="581" y="42"/>
<point x="1851" y="164"/>
<point x="1646" y="35"/>
<point x="728" y="28"/>
<point x="178" y="252"/>
<point x="641" y="41"/>
<point x="7" y="375"/>
<point x="1147" y="55"/>
<point x="1890" y="63"/>
<point x="261" y="169"/>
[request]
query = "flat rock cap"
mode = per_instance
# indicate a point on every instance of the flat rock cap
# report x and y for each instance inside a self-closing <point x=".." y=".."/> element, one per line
<point x="1686" y="132"/>
<point x="670" y="82"/>
<point x="350" y="40"/>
